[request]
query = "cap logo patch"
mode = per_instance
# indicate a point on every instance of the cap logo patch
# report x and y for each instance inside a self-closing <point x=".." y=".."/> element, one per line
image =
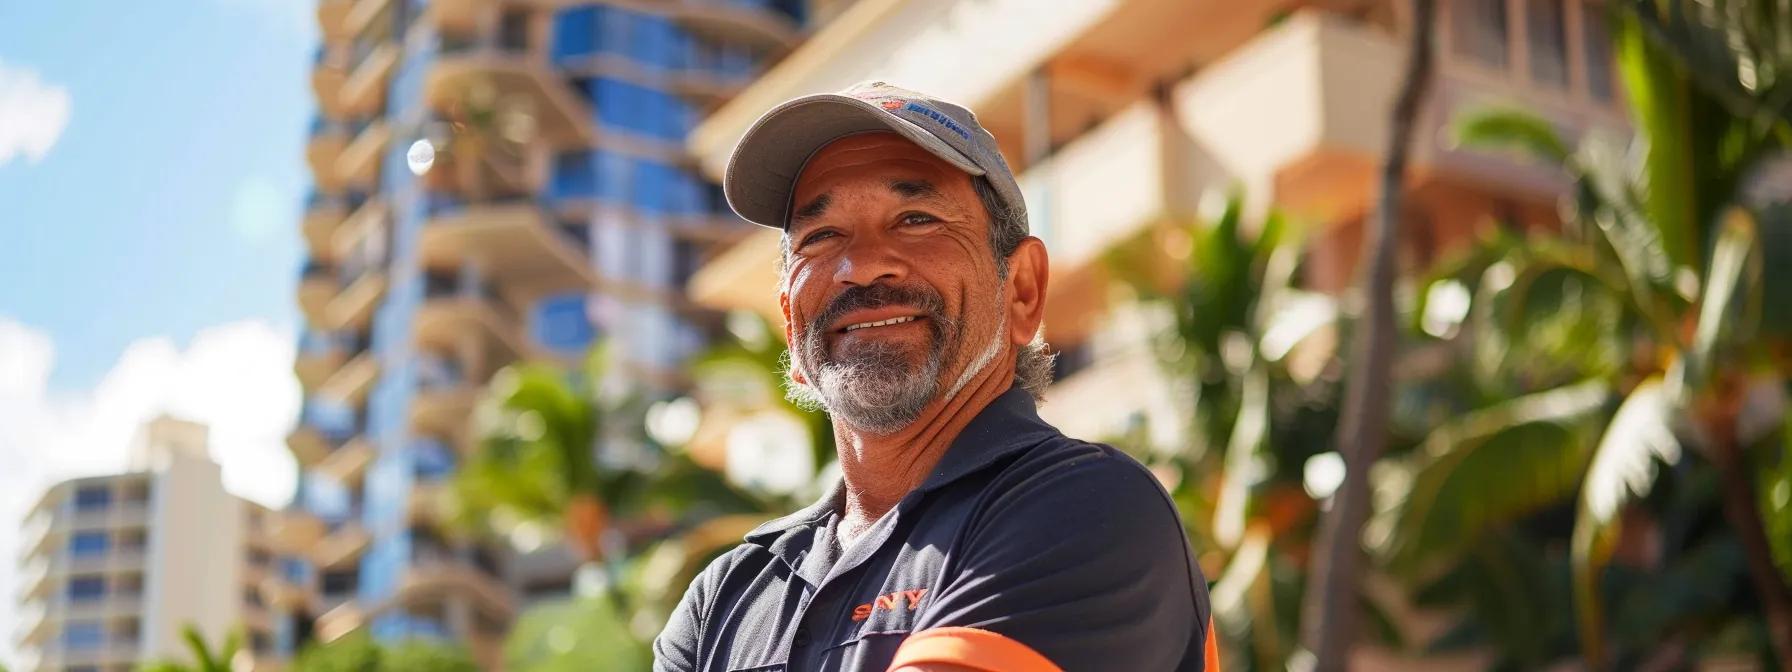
<point x="892" y="104"/>
<point x="942" y="119"/>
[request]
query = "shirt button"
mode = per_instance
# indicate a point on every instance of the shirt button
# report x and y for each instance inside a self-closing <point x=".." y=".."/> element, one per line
<point x="801" y="639"/>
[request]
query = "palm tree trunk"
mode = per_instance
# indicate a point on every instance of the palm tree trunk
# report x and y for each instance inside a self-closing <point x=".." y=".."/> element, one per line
<point x="1329" y="609"/>
<point x="1742" y="509"/>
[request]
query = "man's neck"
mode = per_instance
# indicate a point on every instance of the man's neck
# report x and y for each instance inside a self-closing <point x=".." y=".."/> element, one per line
<point x="880" y="469"/>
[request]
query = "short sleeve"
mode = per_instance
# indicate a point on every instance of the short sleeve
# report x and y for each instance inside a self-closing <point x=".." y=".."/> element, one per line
<point x="679" y="647"/>
<point x="676" y="649"/>
<point x="1083" y="560"/>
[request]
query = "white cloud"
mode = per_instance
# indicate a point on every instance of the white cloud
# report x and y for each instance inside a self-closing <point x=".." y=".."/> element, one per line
<point x="33" y="114"/>
<point x="236" y="378"/>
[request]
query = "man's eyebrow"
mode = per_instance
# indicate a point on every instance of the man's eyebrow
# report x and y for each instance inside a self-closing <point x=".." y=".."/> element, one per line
<point x="913" y="189"/>
<point x="813" y="209"/>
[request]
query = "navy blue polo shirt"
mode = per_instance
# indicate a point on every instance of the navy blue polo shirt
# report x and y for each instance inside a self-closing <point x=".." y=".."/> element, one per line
<point x="1068" y="547"/>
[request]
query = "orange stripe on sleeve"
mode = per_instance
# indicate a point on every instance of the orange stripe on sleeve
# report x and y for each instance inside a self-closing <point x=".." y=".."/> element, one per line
<point x="1212" y="654"/>
<point x="972" y="648"/>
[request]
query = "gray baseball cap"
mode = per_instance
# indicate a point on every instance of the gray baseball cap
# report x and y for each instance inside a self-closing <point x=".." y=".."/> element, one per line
<point x="761" y="177"/>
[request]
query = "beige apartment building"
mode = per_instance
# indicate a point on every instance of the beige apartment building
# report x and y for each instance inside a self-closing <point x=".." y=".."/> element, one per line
<point x="1122" y="115"/>
<point x="115" y="566"/>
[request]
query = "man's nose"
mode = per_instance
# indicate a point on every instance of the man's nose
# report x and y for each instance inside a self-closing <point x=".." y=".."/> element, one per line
<point x="869" y="260"/>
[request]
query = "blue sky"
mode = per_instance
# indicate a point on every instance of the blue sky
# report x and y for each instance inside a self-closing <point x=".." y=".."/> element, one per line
<point x="152" y="174"/>
<point x="170" y="200"/>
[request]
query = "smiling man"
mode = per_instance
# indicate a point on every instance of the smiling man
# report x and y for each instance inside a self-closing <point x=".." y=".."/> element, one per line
<point x="966" y="533"/>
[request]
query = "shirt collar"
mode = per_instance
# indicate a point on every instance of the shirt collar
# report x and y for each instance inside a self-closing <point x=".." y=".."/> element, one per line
<point x="1009" y="423"/>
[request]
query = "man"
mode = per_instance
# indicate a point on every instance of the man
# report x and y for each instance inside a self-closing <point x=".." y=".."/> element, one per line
<point x="965" y="534"/>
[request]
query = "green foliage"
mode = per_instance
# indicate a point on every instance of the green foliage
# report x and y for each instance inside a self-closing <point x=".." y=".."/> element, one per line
<point x="575" y="635"/>
<point x="204" y="658"/>
<point x="1683" y="317"/>
<point x="358" y="652"/>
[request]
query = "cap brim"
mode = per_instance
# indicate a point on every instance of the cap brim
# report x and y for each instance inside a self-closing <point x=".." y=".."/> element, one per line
<point x="763" y="170"/>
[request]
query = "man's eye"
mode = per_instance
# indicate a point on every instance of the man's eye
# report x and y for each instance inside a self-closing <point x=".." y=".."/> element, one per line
<point x="914" y="218"/>
<point x="816" y="237"/>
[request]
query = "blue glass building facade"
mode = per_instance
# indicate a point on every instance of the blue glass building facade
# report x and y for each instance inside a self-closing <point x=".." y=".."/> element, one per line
<point x="560" y="209"/>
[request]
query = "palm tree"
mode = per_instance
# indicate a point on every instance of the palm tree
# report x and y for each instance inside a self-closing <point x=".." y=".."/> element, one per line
<point x="204" y="658"/>
<point x="537" y="465"/>
<point x="1665" y="332"/>
<point x="1328" y="613"/>
<point x="1242" y="341"/>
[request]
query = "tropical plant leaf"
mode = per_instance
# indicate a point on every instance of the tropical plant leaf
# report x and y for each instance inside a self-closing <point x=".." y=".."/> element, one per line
<point x="1623" y="470"/>
<point x="1490" y="467"/>
<point x="1513" y="129"/>
<point x="1244" y="467"/>
<point x="1718" y="307"/>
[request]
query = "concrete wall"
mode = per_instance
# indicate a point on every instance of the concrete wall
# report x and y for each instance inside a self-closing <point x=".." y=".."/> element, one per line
<point x="195" y="546"/>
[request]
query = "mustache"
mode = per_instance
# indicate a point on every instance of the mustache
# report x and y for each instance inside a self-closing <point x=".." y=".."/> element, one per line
<point x="861" y="297"/>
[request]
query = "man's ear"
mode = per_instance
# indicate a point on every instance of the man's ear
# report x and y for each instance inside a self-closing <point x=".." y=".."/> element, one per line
<point x="1028" y="273"/>
<point x="796" y="372"/>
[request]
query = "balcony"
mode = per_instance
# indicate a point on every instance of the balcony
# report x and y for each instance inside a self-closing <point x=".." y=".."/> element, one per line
<point x="351" y="383"/>
<point x="348" y="462"/>
<point x="736" y="22"/>
<point x="321" y="354"/>
<point x="516" y="76"/>
<point x="512" y="242"/>
<point x="281" y="593"/>
<point x="329" y="69"/>
<point x="859" y="45"/>
<point x="332" y="18"/>
<point x="1303" y="108"/>
<point x="311" y="443"/>
<point x="317" y="286"/>
<point x="456" y="16"/>
<point x="358" y="164"/>
<point x="742" y="277"/>
<point x="328" y="138"/>
<point x="294" y="530"/>
<point x="1134" y="171"/>
<point x="341" y="546"/>
<point x="363" y="93"/>
<point x="426" y="502"/>
<point x="34" y="622"/>
<point x="34" y="577"/>
<point x="455" y="309"/>
<point x="431" y="580"/>
<point x="444" y="400"/>
<point x="363" y="284"/>
<point x="340" y="620"/>
<point x="362" y="13"/>
<point x="323" y="213"/>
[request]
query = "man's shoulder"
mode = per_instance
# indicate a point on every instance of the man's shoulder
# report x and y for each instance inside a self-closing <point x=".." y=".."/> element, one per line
<point x="1064" y="461"/>
<point x="1066" y="473"/>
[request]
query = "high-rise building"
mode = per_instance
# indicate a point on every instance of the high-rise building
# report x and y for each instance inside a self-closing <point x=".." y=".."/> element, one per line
<point x="115" y="567"/>
<point x="494" y="180"/>
<point x="1120" y="115"/>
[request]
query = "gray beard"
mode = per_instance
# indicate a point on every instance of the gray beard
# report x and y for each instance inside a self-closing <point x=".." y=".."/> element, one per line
<point x="875" y="388"/>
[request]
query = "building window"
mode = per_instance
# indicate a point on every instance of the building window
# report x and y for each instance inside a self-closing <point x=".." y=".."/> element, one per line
<point x="1546" y="31"/>
<point x="1479" y="31"/>
<point x="513" y="31"/>
<point x="338" y="582"/>
<point x="88" y="544"/>
<point x="83" y="588"/>
<point x="1597" y="42"/>
<point x="93" y="498"/>
<point x="81" y="635"/>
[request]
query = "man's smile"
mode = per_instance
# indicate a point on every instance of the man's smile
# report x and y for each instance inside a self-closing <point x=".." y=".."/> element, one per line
<point x="873" y="318"/>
